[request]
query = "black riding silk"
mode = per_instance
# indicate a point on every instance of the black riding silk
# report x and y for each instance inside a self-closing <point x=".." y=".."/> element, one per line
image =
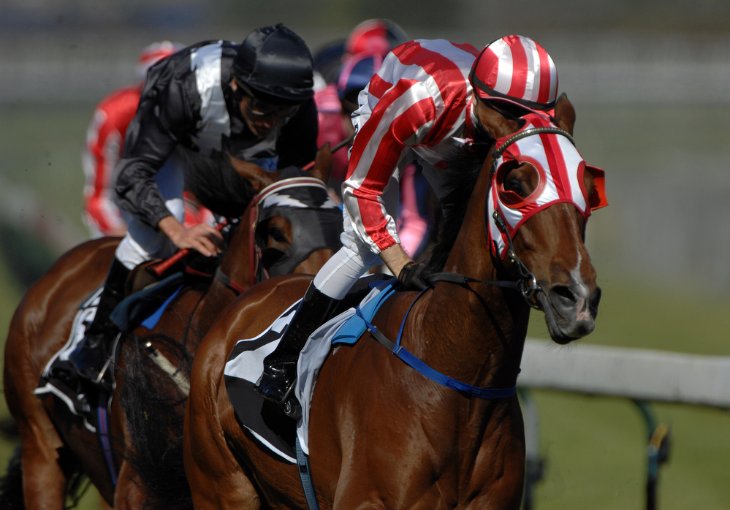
<point x="187" y="103"/>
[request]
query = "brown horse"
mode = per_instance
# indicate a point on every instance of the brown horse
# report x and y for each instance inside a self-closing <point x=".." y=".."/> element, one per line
<point x="56" y="448"/>
<point x="381" y="435"/>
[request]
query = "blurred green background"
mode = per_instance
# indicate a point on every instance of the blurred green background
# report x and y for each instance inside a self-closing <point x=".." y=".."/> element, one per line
<point x="649" y="81"/>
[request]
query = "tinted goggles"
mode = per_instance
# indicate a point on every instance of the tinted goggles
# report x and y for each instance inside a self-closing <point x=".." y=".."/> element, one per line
<point x="261" y="108"/>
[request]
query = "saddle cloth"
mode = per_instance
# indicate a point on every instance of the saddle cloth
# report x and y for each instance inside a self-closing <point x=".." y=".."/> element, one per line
<point x="144" y="307"/>
<point x="84" y="316"/>
<point x="264" y="419"/>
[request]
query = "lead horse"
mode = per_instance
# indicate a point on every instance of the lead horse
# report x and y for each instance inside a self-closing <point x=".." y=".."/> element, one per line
<point x="381" y="435"/>
<point x="56" y="448"/>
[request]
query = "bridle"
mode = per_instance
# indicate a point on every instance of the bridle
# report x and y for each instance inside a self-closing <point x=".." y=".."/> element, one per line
<point x="255" y="214"/>
<point x="526" y="282"/>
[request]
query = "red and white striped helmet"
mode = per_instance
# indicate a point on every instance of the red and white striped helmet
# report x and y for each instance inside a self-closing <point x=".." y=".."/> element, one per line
<point x="518" y="70"/>
<point x="375" y="36"/>
<point x="153" y="53"/>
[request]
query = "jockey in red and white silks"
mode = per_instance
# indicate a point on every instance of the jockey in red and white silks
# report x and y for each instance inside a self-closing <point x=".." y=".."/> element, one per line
<point x="419" y="106"/>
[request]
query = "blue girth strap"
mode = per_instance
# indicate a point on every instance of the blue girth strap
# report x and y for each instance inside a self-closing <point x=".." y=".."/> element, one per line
<point x="306" y="477"/>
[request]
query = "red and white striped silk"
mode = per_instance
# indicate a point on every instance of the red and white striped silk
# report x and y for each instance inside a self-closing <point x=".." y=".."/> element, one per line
<point x="419" y="101"/>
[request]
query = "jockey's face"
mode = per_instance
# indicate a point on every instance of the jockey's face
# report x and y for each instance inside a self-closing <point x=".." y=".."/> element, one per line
<point x="261" y="117"/>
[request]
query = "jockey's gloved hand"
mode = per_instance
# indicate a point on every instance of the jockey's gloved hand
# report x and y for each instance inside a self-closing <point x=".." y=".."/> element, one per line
<point x="414" y="276"/>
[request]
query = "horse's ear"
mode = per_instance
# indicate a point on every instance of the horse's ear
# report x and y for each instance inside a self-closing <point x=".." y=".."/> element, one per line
<point x="564" y="113"/>
<point x="494" y="123"/>
<point x="322" y="163"/>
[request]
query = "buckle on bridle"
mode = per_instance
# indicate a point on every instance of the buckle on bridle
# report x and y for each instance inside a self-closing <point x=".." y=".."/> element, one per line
<point x="527" y="282"/>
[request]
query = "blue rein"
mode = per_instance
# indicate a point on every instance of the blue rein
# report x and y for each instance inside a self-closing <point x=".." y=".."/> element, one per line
<point x="420" y="366"/>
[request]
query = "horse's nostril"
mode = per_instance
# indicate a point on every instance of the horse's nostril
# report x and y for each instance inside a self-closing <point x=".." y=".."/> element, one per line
<point x="593" y="301"/>
<point x="564" y="295"/>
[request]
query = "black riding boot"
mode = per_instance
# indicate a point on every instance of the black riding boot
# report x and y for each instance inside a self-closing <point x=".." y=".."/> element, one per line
<point x="280" y="367"/>
<point x="90" y="356"/>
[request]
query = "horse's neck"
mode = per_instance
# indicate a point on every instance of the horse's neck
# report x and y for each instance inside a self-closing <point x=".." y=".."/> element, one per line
<point x="237" y="261"/>
<point x="235" y="268"/>
<point x="486" y="326"/>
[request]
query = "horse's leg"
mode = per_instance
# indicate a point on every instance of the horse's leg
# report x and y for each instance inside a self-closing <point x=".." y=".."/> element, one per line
<point x="44" y="483"/>
<point x="127" y="494"/>
<point x="215" y="477"/>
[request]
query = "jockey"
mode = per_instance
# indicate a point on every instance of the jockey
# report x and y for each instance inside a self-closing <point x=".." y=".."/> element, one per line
<point x="422" y="104"/>
<point x="104" y="144"/>
<point x="371" y="37"/>
<point x="252" y="101"/>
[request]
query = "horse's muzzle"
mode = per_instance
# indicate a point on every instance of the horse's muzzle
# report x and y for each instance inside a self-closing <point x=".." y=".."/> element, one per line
<point x="570" y="311"/>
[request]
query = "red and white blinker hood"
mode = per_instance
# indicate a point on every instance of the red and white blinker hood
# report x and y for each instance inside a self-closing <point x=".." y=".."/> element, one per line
<point x="560" y="168"/>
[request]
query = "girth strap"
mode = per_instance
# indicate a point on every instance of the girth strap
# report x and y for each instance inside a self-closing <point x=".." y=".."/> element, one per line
<point x="306" y="477"/>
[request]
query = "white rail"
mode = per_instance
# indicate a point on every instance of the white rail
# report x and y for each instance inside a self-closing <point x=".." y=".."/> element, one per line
<point x="651" y="375"/>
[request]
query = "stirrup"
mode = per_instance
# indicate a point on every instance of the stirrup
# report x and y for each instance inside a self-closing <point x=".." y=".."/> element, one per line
<point x="291" y="406"/>
<point x="288" y="403"/>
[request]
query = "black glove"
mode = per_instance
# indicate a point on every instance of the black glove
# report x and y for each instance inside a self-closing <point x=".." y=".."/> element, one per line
<point x="414" y="276"/>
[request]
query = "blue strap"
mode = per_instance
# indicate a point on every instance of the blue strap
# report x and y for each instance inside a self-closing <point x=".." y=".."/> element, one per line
<point x="306" y="477"/>
<point x="425" y="370"/>
<point x="151" y="321"/>
<point x="443" y="379"/>
<point x="102" y="420"/>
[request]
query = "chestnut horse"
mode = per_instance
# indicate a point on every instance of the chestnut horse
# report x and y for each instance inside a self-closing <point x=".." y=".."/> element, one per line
<point x="381" y="435"/>
<point x="55" y="446"/>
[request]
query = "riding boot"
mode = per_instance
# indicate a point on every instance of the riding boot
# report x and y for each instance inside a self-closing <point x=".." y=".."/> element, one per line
<point x="280" y="367"/>
<point x="90" y="356"/>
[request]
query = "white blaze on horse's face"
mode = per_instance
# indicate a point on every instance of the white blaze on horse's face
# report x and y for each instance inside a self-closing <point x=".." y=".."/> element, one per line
<point x="560" y="178"/>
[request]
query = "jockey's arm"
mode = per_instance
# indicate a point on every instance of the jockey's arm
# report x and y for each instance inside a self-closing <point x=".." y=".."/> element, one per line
<point x="149" y="142"/>
<point x="395" y="258"/>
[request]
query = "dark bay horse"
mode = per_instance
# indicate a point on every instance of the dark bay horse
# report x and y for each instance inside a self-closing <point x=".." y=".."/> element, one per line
<point x="55" y="447"/>
<point x="381" y="435"/>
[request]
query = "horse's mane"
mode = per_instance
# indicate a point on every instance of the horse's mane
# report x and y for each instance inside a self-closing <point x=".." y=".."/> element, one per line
<point x="462" y="172"/>
<point x="153" y="411"/>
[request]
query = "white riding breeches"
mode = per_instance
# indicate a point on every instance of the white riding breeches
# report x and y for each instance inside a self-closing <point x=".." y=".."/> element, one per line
<point x="142" y="242"/>
<point x="353" y="260"/>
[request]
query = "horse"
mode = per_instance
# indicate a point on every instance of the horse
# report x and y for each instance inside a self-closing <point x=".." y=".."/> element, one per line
<point x="56" y="448"/>
<point x="381" y="433"/>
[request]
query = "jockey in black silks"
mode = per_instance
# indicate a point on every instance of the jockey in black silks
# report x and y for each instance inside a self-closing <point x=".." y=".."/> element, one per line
<point x="252" y="100"/>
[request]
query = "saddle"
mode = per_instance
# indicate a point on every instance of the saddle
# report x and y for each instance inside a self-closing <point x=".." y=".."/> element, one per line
<point x="266" y="420"/>
<point x="148" y="295"/>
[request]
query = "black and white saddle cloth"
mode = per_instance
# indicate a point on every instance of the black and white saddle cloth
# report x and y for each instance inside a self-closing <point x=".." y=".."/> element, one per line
<point x="50" y="386"/>
<point x="144" y="307"/>
<point x="264" y="419"/>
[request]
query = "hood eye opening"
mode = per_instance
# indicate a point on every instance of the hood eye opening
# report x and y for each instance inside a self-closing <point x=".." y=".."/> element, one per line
<point x="516" y="182"/>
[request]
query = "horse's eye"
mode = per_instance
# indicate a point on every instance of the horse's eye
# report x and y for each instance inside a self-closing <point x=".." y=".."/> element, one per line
<point x="514" y="185"/>
<point x="277" y="235"/>
<point x="516" y="182"/>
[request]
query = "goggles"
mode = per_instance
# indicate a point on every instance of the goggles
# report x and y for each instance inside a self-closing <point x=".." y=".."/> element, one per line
<point x="262" y="109"/>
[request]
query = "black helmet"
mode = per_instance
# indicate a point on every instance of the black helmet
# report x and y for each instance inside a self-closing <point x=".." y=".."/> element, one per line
<point x="275" y="63"/>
